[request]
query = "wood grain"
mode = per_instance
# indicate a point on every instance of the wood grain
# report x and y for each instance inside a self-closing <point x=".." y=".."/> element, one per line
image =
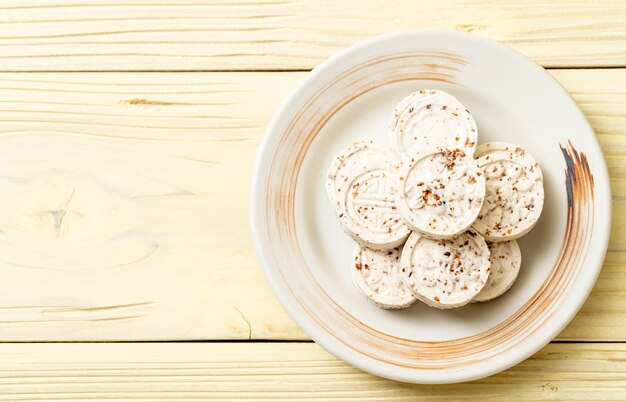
<point x="124" y="213"/>
<point x="101" y="35"/>
<point x="285" y="372"/>
<point x="125" y="206"/>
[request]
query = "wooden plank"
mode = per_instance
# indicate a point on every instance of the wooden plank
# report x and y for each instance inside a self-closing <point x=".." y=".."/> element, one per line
<point x="285" y="372"/>
<point x="124" y="206"/>
<point x="100" y="35"/>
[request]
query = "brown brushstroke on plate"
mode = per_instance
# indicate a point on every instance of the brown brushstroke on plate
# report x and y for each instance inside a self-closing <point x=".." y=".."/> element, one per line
<point x="338" y="323"/>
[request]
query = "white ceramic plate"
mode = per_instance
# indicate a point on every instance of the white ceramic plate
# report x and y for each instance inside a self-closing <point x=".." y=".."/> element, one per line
<point x="306" y="255"/>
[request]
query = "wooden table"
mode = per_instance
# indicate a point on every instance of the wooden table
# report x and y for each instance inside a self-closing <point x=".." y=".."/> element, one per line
<point x="127" y="136"/>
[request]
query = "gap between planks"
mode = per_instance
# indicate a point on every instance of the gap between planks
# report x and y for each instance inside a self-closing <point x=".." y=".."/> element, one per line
<point x="253" y="340"/>
<point x="286" y="70"/>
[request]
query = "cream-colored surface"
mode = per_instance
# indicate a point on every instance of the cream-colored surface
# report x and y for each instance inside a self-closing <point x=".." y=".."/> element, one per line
<point x="123" y="211"/>
<point x="103" y="35"/>
<point x="126" y="216"/>
<point x="285" y="372"/>
<point x="126" y="211"/>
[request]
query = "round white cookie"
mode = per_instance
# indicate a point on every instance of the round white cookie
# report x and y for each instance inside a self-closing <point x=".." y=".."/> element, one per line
<point x="506" y="259"/>
<point x="445" y="273"/>
<point x="514" y="196"/>
<point x="441" y="193"/>
<point x="376" y="275"/>
<point x="431" y="118"/>
<point x="367" y="209"/>
<point x="350" y="161"/>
